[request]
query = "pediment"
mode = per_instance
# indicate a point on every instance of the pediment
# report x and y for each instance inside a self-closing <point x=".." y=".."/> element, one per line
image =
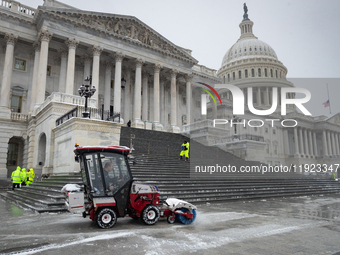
<point x="127" y="28"/>
<point x="334" y="119"/>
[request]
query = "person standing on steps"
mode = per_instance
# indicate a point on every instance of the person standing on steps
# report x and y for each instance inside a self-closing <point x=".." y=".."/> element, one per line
<point x="30" y="176"/>
<point x="23" y="177"/>
<point x="16" y="178"/>
<point x="185" y="151"/>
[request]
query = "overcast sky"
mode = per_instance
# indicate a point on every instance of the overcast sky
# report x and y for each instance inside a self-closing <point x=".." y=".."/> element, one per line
<point x="304" y="33"/>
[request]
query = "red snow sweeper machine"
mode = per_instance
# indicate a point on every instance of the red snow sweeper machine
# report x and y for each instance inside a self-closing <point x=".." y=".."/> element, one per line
<point x="112" y="193"/>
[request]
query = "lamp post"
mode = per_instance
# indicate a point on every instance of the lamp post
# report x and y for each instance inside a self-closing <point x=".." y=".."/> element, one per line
<point x="85" y="91"/>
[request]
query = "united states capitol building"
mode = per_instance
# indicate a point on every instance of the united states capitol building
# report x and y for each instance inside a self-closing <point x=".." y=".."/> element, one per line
<point x="139" y="75"/>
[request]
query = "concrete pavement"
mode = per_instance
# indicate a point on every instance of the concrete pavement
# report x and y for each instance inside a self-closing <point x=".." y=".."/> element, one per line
<point x="298" y="225"/>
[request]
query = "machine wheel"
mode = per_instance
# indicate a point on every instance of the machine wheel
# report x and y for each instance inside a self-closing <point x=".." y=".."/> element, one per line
<point x="184" y="219"/>
<point x="106" y="218"/>
<point x="171" y="218"/>
<point x="150" y="214"/>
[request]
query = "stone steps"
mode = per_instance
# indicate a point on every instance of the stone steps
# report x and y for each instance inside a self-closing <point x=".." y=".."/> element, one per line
<point x="173" y="178"/>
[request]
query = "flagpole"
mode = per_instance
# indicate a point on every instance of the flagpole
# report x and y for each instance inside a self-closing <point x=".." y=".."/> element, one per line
<point x="330" y="111"/>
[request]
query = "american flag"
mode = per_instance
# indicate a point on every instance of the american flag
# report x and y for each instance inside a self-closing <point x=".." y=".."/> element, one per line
<point x="327" y="103"/>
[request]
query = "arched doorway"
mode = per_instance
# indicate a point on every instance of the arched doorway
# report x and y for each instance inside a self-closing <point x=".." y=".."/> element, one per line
<point x="15" y="154"/>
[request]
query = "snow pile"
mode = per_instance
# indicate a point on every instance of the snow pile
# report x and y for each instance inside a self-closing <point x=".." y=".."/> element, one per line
<point x="71" y="188"/>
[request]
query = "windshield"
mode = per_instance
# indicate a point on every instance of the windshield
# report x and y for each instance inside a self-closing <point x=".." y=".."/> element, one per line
<point x="113" y="176"/>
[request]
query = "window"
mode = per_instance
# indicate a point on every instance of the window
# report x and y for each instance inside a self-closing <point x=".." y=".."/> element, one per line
<point x="260" y="49"/>
<point x="271" y="72"/>
<point x="233" y="75"/>
<point x="275" y="149"/>
<point x="16" y="104"/>
<point x="48" y="73"/>
<point x="240" y="51"/>
<point x="276" y="73"/>
<point x="269" y="163"/>
<point x="255" y="49"/>
<point x="265" y="49"/>
<point x="184" y="101"/>
<point x="265" y="72"/>
<point x="246" y="73"/>
<point x="266" y="130"/>
<point x="198" y="104"/>
<point x="20" y="64"/>
<point x="274" y="131"/>
<point x="235" y="52"/>
<point x="112" y="83"/>
<point x="239" y="74"/>
<point x="267" y="149"/>
<point x="259" y="72"/>
<point x="250" y="49"/>
<point x="12" y="154"/>
<point x="231" y="54"/>
<point x="245" y="50"/>
<point x="228" y="77"/>
<point x="252" y="73"/>
<point x="169" y="117"/>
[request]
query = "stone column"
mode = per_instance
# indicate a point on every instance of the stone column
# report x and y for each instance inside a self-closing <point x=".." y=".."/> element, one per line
<point x="87" y="67"/>
<point x="259" y="96"/>
<point x="306" y="143"/>
<point x="162" y="102"/>
<point x="333" y="144"/>
<point x="137" y="123"/>
<point x="95" y="72"/>
<point x="72" y="45"/>
<point x="285" y="141"/>
<point x="173" y="114"/>
<point x="145" y="78"/>
<point x="266" y="98"/>
<point x="337" y="144"/>
<point x="311" y="151"/>
<point x="127" y="95"/>
<point x="188" y="79"/>
<point x="325" y="146"/>
<point x="330" y="152"/>
<point x="156" y="125"/>
<point x="107" y="88"/>
<point x="45" y="38"/>
<point x="315" y="145"/>
<point x="301" y="142"/>
<point x="63" y="70"/>
<point x="117" y="90"/>
<point x="36" y="46"/>
<point x="5" y="110"/>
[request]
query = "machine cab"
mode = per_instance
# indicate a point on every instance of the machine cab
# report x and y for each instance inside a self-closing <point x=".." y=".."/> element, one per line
<point x="105" y="172"/>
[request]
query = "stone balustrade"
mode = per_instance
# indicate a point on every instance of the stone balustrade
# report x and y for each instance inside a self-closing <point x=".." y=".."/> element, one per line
<point x="19" y="116"/>
<point x="205" y="70"/>
<point x="18" y="7"/>
<point x="59" y="97"/>
<point x="200" y="124"/>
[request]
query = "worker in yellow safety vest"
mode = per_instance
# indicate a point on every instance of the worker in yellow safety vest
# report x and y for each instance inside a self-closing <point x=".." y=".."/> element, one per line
<point x="23" y="177"/>
<point x="30" y="176"/>
<point x="16" y="178"/>
<point x="185" y="151"/>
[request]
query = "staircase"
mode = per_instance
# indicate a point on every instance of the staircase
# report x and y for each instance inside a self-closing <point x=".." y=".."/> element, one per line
<point x="157" y="153"/>
<point x="43" y="196"/>
<point x="172" y="177"/>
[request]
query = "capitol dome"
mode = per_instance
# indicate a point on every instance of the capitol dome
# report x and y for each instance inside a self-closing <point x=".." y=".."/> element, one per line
<point x="248" y="48"/>
<point x="250" y="57"/>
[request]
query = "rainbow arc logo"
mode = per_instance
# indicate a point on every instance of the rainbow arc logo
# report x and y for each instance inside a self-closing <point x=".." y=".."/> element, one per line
<point x="204" y="98"/>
